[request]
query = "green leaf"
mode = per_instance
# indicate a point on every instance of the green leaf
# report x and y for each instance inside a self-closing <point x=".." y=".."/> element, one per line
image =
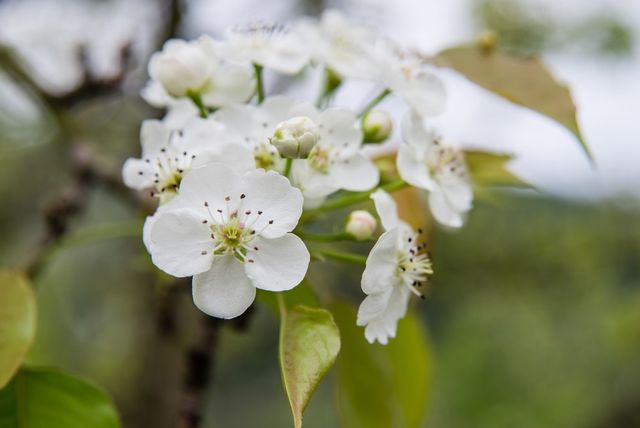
<point x="523" y="81"/>
<point x="17" y="322"/>
<point x="381" y="386"/>
<point x="490" y="169"/>
<point x="309" y="344"/>
<point x="46" y="398"/>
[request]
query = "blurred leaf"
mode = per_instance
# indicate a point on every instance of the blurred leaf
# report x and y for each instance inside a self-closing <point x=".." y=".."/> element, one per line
<point x="523" y="81"/>
<point x="47" y="398"/>
<point x="381" y="386"/>
<point x="490" y="169"/>
<point x="309" y="344"/>
<point x="17" y="322"/>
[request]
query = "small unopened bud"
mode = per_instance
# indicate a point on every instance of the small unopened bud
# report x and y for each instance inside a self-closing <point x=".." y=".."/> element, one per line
<point x="181" y="67"/>
<point x="377" y="126"/>
<point x="296" y="137"/>
<point x="361" y="225"/>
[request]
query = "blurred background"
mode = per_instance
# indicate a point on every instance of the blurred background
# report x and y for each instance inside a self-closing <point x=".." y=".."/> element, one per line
<point x="534" y="313"/>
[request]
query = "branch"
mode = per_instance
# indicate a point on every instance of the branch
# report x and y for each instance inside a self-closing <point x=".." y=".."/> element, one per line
<point x="199" y="362"/>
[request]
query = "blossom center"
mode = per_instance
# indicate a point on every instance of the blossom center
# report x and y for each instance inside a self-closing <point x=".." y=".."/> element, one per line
<point x="445" y="159"/>
<point x="413" y="264"/>
<point x="266" y="156"/>
<point x="320" y="158"/>
<point x="169" y="170"/>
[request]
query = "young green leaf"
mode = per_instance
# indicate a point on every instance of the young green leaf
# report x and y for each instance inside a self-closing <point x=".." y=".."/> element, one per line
<point x="17" y="322"/>
<point x="523" y="81"/>
<point x="490" y="169"/>
<point x="381" y="386"/>
<point x="309" y="345"/>
<point x="47" y="398"/>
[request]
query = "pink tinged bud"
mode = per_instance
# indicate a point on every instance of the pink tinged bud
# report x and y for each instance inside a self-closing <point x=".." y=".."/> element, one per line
<point x="361" y="225"/>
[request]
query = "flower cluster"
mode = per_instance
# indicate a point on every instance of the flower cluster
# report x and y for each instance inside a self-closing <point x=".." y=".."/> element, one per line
<point x="237" y="173"/>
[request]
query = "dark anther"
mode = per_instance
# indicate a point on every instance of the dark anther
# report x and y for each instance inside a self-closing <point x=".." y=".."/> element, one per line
<point x="243" y="196"/>
<point x="270" y="221"/>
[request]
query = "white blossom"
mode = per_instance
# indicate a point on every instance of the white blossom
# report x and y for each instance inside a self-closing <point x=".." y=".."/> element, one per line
<point x="340" y="45"/>
<point x="231" y="232"/>
<point x="361" y="225"/>
<point x="337" y="161"/>
<point x="199" y="68"/>
<point x="408" y="76"/>
<point x="269" y="45"/>
<point x="253" y="126"/>
<point x="429" y="163"/>
<point x="395" y="268"/>
<point x="168" y="155"/>
<point x="295" y="137"/>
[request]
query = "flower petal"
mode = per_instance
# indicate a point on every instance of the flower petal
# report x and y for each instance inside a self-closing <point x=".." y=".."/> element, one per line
<point x="224" y="291"/>
<point x="271" y="194"/>
<point x="211" y="183"/>
<point x="380" y="271"/>
<point x="386" y="208"/>
<point x="412" y="168"/>
<point x="238" y="157"/>
<point x="427" y="94"/>
<point x="180" y="243"/>
<point x="384" y="325"/>
<point x="443" y="211"/>
<point x="154" y="136"/>
<point x="137" y="174"/>
<point x="279" y="264"/>
<point x="338" y="128"/>
<point x="356" y="174"/>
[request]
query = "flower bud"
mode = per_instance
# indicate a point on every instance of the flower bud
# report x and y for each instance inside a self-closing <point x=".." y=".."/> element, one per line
<point x="296" y="137"/>
<point x="181" y="68"/>
<point x="361" y="225"/>
<point x="377" y="126"/>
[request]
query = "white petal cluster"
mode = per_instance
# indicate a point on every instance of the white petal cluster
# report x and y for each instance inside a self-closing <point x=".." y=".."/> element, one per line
<point x="429" y="163"/>
<point x="233" y="169"/>
<point x="396" y="267"/>
<point x="197" y="68"/>
<point x="231" y="232"/>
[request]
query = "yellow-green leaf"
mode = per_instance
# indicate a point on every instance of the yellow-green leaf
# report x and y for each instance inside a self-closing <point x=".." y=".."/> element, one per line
<point x="309" y="344"/>
<point x="523" y="81"/>
<point x="491" y="169"/>
<point x="381" y="386"/>
<point x="17" y="322"/>
<point x="47" y="398"/>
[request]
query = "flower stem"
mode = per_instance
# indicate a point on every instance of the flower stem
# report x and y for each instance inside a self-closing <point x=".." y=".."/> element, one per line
<point x="343" y="236"/>
<point x="287" y="167"/>
<point x="374" y="102"/>
<point x="330" y="83"/>
<point x="259" y="83"/>
<point x="353" y="198"/>
<point x="340" y="256"/>
<point x="197" y="100"/>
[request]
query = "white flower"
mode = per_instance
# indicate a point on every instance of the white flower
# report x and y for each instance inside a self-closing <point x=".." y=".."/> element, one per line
<point x="377" y="126"/>
<point x="428" y="163"/>
<point x="295" y="137"/>
<point x="231" y="232"/>
<point x="336" y="162"/>
<point x="342" y="46"/>
<point x="396" y="267"/>
<point x="198" y="68"/>
<point x="253" y="126"/>
<point x="361" y="225"/>
<point x="409" y="77"/>
<point x="272" y="46"/>
<point x="168" y="155"/>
